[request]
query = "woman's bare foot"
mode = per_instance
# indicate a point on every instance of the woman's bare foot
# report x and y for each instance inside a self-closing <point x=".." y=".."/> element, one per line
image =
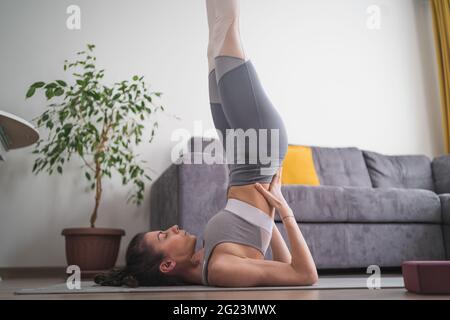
<point x="225" y="38"/>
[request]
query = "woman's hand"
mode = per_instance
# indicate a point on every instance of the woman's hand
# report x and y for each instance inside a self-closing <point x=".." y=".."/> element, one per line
<point x="274" y="196"/>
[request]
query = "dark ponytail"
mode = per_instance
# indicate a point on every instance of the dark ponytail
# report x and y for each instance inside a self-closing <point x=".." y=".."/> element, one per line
<point x="142" y="268"/>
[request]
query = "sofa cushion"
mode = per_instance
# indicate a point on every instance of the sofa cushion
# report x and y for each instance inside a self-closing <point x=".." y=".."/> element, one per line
<point x="315" y="203"/>
<point x="402" y="171"/>
<point x="341" y="167"/>
<point x="392" y="205"/>
<point x="441" y="173"/>
<point x="362" y="205"/>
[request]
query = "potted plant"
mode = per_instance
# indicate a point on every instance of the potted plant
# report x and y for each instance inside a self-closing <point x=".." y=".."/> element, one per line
<point x="99" y="124"/>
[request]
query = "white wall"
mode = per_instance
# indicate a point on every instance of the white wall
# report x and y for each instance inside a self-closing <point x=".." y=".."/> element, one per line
<point x="334" y="81"/>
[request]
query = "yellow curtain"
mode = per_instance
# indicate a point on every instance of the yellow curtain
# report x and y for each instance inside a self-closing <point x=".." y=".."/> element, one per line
<point x="441" y="26"/>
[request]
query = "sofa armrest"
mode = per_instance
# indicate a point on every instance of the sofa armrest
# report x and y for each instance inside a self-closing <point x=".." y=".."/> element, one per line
<point x="445" y="207"/>
<point x="188" y="194"/>
<point x="441" y="174"/>
<point x="164" y="199"/>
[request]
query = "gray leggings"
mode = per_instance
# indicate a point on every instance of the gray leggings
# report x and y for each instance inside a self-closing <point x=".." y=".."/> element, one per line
<point x="238" y="101"/>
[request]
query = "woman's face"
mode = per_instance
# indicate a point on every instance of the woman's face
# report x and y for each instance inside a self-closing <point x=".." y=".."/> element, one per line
<point x="172" y="242"/>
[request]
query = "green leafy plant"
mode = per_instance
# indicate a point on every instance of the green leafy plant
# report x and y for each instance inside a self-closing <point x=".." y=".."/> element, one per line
<point x="98" y="123"/>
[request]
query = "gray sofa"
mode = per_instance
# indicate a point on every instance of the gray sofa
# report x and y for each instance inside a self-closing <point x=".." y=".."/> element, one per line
<point x="369" y="209"/>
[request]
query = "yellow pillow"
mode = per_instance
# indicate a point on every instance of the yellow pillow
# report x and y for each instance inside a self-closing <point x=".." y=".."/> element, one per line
<point x="298" y="166"/>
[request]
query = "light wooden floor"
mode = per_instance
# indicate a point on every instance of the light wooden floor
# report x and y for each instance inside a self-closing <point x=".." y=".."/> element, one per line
<point x="8" y="286"/>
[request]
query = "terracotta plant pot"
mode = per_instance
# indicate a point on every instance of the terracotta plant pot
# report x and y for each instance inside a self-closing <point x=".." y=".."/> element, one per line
<point x="92" y="249"/>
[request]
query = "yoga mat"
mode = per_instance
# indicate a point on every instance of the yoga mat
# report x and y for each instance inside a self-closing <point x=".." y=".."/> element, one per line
<point x="325" y="282"/>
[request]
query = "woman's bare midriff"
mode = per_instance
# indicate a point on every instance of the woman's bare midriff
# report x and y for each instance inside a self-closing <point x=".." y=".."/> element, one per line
<point x="249" y="194"/>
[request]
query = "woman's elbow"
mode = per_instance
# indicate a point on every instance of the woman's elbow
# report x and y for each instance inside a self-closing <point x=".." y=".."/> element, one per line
<point x="313" y="278"/>
<point x="307" y="278"/>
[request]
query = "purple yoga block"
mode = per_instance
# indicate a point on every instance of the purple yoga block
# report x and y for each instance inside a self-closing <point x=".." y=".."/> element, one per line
<point x="427" y="277"/>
